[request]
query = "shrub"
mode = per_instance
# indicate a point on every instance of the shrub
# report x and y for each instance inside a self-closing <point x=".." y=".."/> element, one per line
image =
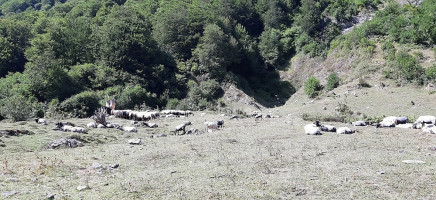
<point x="431" y="73"/>
<point x="134" y="96"/>
<point x="389" y="50"/>
<point x="172" y="103"/>
<point x="16" y="108"/>
<point x="409" y="68"/>
<point x="332" y="81"/>
<point x="312" y="87"/>
<point x="81" y="105"/>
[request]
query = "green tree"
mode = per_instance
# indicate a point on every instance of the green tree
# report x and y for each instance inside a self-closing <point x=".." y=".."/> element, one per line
<point x="270" y="47"/>
<point x="48" y="79"/>
<point x="214" y="51"/>
<point x="177" y="26"/>
<point x="312" y="87"/>
<point x="332" y="81"/>
<point x="14" y="39"/>
<point x="126" y="41"/>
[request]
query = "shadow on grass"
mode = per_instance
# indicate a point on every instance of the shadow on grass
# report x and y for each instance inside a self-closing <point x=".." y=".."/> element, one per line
<point x="267" y="88"/>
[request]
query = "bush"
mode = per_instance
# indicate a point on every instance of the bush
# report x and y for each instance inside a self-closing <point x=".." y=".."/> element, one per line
<point x="134" y="96"/>
<point x="430" y="73"/>
<point x="409" y="68"/>
<point x="172" y="104"/>
<point x="312" y="87"/>
<point x="332" y="81"/>
<point x="389" y="50"/>
<point x="16" y="108"/>
<point x="81" y="105"/>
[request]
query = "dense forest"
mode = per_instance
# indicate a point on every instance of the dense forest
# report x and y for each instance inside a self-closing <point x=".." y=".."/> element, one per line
<point x="72" y="55"/>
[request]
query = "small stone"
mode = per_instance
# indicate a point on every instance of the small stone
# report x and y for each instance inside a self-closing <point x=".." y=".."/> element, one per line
<point x="382" y="172"/>
<point x="82" y="187"/>
<point x="135" y="141"/>
<point x="413" y="162"/>
<point x="96" y="166"/>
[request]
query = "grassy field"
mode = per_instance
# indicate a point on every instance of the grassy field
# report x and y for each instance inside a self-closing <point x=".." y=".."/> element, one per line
<point x="269" y="159"/>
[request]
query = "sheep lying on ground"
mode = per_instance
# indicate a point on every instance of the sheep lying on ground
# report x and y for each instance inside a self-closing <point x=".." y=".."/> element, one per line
<point x="66" y="128"/>
<point x="345" y="130"/>
<point x="234" y="117"/>
<point x="384" y="124"/>
<point x="313" y="129"/>
<point x="428" y="119"/>
<point x="401" y="120"/>
<point x="429" y="128"/>
<point x="389" y="120"/>
<point x="150" y="125"/>
<point x="41" y="121"/>
<point x="91" y="125"/>
<point x="359" y="123"/>
<point x="328" y="128"/>
<point x="407" y="125"/>
<point x="112" y="125"/>
<point x="78" y="130"/>
<point x="128" y="128"/>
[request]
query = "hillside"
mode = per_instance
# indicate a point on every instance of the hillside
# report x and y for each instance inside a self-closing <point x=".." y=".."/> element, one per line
<point x="336" y="61"/>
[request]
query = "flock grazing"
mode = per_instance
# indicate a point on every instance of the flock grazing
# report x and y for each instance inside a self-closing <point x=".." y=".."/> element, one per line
<point x="145" y="118"/>
<point x="426" y="123"/>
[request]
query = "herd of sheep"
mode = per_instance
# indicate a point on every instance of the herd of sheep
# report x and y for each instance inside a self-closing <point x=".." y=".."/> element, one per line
<point x="426" y="123"/>
<point x="143" y="117"/>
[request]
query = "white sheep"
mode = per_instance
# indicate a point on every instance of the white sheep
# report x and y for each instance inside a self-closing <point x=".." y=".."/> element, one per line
<point x="390" y="119"/>
<point x="128" y="128"/>
<point x="313" y="129"/>
<point x="234" y="117"/>
<point x="427" y="119"/>
<point x="384" y="124"/>
<point x="41" y="121"/>
<point x="407" y="125"/>
<point x="91" y="125"/>
<point x="150" y="125"/>
<point x="344" y="130"/>
<point x="101" y="126"/>
<point x="66" y="128"/>
<point x="359" y="123"/>
<point x="78" y="130"/>
<point x="428" y="128"/>
<point x="112" y="125"/>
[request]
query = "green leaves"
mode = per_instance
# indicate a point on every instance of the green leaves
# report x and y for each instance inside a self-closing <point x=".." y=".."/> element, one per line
<point x="312" y="87"/>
